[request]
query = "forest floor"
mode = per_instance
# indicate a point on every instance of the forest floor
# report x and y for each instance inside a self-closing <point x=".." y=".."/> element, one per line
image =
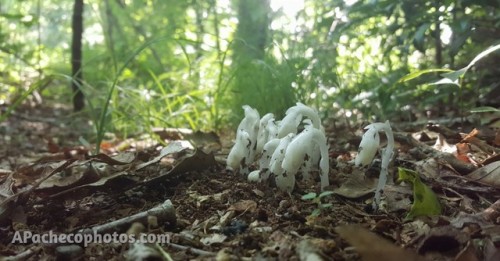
<point x="49" y="184"/>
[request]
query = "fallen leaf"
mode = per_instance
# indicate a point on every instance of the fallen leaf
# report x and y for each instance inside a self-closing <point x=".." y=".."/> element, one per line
<point x="491" y="252"/>
<point x="467" y="254"/>
<point x="372" y="247"/>
<point x="356" y="186"/>
<point x="244" y="205"/>
<point x="489" y="174"/>
<point x="428" y="167"/>
<point x="425" y="202"/>
<point x="443" y="146"/>
<point x="307" y="250"/>
<point x="172" y="147"/>
<point x="75" y="176"/>
<point x="213" y="239"/>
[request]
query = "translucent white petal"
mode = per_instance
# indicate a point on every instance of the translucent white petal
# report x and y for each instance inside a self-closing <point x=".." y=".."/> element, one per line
<point x="239" y="151"/>
<point x="368" y="147"/>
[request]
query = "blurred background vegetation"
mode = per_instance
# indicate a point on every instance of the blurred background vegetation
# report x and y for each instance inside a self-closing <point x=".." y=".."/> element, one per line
<point x="194" y="63"/>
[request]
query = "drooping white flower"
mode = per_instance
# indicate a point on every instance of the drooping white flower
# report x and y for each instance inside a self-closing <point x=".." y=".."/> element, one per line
<point x="294" y="116"/>
<point x="367" y="150"/>
<point x="368" y="146"/>
<point x="239" y="152"/>
<point x="289" y="124"/>
<point x="251" y="125"/>
<point x="270" y="139"/>
<point x="250" y="122"/>
<point x="301" y="147"/>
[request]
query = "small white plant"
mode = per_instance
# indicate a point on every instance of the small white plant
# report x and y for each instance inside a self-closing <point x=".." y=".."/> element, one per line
<point x="367" y="150"/>
<point x="265" y="159"/>
<point x="251" y="125"/>
<point x="239" y="152"/>
<point x="267" y="131"/>
<point x="302" y="147"/>
<point x="282" y="151"/>
<point x="243" y="152"/>
<point x="284" y="181"/>
<point x="294" y="116"/>
<point x="368" y="147"/>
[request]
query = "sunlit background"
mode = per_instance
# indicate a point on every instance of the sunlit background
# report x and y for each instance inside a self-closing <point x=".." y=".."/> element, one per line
<point x="342" y="56"/>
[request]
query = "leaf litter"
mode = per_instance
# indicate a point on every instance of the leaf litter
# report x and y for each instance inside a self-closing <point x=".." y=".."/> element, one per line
<point x="184" y="191"/>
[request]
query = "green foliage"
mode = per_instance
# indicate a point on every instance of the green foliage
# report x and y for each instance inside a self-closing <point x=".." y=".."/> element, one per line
<point x="265" y="85"/>
<point x="453" y="77"/>
<point x="375" y="43"/>
<point x="161" y="101"/>
<point x="339" y="58"/>
<point x="22" y="97"/>
<point x="316" y="199"/>
<point x="425" y="202"/>
<point x="484" y="109"/>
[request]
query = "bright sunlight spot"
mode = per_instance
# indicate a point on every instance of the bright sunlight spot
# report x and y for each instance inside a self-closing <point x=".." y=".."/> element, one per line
<point x="289" y="7"/>
<point x="446" y="33"/>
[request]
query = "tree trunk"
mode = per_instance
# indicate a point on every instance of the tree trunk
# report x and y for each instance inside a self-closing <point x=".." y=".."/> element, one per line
<point x="437" y="35"/>
<point x="256" y="79"/>
<point x="252" y="32"/>
<point x="76" y="56"/>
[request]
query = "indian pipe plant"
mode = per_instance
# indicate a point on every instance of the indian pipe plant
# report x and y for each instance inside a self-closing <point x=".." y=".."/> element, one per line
<point x="282" y="150"/>
<point x="367" y="150"/>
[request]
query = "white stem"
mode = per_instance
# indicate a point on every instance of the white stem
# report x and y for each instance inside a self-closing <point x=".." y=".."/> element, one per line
<point x="265" y="159"/>
<point x="250" y="124"/>
<point x="283" y="181"/>
<point x="263" y="133"/>
<point x="387" y="154"/>
<point x="239" y="152"/>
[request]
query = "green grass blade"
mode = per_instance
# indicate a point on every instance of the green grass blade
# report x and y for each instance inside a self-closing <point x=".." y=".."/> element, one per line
<point x="416" y="74"/>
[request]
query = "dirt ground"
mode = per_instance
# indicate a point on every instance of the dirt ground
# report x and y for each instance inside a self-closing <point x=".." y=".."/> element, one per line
<point x="49" y="183"/>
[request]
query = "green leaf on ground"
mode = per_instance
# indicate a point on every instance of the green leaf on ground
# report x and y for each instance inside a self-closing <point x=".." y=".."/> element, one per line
<point x="425" y="202"/>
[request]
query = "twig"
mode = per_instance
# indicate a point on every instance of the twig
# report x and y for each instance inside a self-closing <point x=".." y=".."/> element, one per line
<point x="23" y="255"/>
<point x="164" y="213"/>
<point x="191" y="249"/>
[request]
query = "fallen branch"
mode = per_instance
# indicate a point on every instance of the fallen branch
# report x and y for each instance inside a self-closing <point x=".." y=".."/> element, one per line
<point x="164" y="213"/>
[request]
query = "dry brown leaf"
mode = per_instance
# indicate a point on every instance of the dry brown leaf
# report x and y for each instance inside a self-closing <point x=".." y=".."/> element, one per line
<point x="372" y="247"/>
<point x="243" y="206"/>
<point x="467" y="254"/>
<point x="356" y="186"/>
<point x="489" y="174"/>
